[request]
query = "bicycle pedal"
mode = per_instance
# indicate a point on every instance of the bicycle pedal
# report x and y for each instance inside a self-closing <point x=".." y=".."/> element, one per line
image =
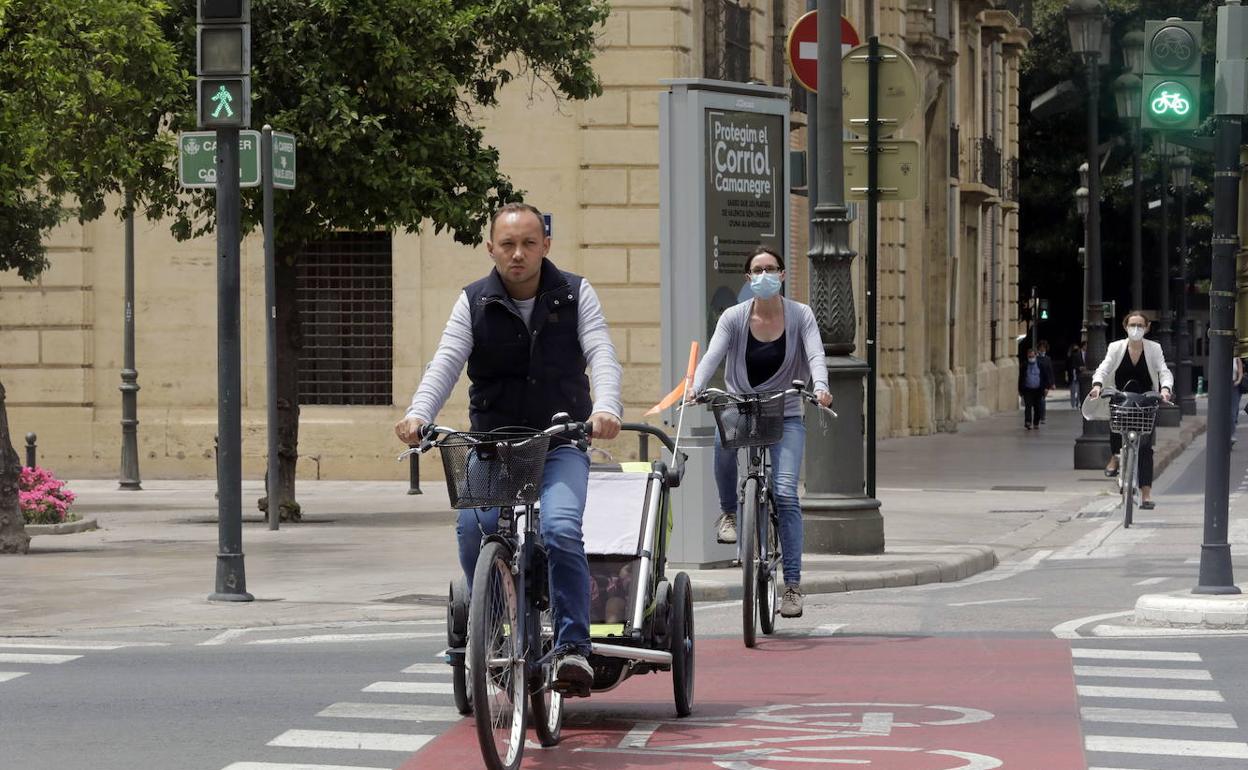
<point x="571" y="689"/>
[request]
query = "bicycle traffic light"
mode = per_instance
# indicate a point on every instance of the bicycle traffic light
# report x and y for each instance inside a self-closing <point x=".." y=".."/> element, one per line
<point x="1171" y="87"/>
<point x="223" y="63"/>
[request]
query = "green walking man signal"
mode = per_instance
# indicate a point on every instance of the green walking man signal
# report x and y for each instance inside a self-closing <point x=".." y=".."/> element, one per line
<point x="223" y="63"/>
<point x="223" y="99"/>
<point x="1171" y="83"/>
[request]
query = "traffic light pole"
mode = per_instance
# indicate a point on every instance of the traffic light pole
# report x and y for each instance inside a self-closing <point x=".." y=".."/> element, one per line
<point x="270" y="325"/>
<point x="231" y="583"/>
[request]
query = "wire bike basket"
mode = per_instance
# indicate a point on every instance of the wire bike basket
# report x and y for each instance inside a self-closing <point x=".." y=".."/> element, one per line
<point x="751" y="419"/>
<point x="1128" y="417"/>
<point x="485" y="470"/>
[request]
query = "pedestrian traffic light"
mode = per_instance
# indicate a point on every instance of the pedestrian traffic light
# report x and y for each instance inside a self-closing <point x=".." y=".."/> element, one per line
<point x="1044" y="310"/>
<point x="223" y="63"/>
<point x="1171" y="88"/>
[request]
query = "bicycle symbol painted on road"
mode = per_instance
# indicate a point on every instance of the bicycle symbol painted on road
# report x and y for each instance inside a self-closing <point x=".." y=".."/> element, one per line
<point x="1171" y="102"/>
<point x="781" y="736"/>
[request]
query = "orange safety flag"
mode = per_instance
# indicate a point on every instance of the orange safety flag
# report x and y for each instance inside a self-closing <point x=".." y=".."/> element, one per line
<point x="686" y="384"/>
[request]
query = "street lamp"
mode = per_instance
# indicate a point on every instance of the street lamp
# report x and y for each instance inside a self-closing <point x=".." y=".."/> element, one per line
<point x="1085" y="21"/>
<point x="1081" y="205"/>
<point x="1133" y="51"/>
<point x="1181" y="178"/>
<point x="1127" y="98"/>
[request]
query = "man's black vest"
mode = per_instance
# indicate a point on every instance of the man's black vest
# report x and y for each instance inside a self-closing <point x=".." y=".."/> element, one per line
<point x="523" y="375"/>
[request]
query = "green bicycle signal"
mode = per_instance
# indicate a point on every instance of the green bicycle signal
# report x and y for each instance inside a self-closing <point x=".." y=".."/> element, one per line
<point x="1170" y="102"/>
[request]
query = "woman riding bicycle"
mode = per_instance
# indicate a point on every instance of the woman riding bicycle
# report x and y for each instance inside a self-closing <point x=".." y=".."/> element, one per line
<point x="1137" y="365"/>
<point x="768" y="342"/>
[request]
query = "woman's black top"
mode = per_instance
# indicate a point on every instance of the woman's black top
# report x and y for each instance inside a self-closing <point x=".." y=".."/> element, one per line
<point x="763" y="359"/>
<point x="1137" y="371"/>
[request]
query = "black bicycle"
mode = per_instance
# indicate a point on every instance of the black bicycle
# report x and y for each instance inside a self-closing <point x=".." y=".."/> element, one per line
<point x="509" y="666"/>
<point x="755" y="421"/>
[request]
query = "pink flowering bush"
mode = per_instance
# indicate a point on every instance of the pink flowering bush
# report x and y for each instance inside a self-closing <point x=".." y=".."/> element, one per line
<point x="43" y="498"/>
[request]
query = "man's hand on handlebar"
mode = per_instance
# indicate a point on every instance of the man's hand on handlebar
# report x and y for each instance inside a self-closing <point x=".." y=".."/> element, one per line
<point x="605" y="426"/>
<point x="408" y="430"/>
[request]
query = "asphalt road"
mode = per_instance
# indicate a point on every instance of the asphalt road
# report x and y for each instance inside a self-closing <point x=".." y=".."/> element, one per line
<point x="1044" y="645"/>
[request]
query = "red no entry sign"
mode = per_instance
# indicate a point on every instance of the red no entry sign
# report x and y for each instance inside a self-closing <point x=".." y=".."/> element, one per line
<point x="803" y="48"/>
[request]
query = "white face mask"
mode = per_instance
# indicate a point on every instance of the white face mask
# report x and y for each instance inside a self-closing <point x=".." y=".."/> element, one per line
<point x="1135" y="333"/>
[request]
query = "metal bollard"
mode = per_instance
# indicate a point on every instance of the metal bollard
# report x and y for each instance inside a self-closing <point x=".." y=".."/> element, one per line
<point x="414" y="474"/>
<point x="30" y="450"/>
<point x="643" y="447"/>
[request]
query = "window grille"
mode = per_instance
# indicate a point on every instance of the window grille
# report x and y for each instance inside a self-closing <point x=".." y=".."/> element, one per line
<point x="726" y="41"/>
<point x="345" y="295"/>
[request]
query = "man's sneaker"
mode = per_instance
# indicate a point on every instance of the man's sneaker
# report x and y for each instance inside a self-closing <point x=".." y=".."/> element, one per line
<point x="791" y="604"/>
<point x="726" y="528"/>
<point x="573" y="676"/>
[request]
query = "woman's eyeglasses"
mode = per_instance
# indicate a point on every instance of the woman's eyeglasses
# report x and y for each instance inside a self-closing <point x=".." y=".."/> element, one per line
<point x="761" y="270"/>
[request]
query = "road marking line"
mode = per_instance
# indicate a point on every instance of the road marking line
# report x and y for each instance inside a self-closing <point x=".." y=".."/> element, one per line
<point x="1153" y="581"/>
<point x="335" y="638"/>
<point x="432" y="688"/>
<point x="234" y="633"/>
<point x="1098" y="652"/>
<point x="6" y="676"/>
<point x="1152" y="693"/>
<point x="332" y="739"/>
<point x="716" y="605"/>
<point x="1002" y="572"/>
<point x="828" y="629"/>
<point x="21" y="657"/>
<point x="1070" y="629"/>
<point x="1131" y="672"/>
<point x="13" y="644"/>
<point x="1167" y="747"/>
<point x="295" y="766"/>
<point x="428" y="668"/>
<point x="639" y="736"/>
<point x="1155" y="717"/>
<point x="994" y="601"/>
<point x="401" y="712"/>
<point x="224" y="636"/>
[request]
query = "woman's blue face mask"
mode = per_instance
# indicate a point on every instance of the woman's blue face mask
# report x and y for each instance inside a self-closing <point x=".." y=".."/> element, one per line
<point x="765" y="285"/>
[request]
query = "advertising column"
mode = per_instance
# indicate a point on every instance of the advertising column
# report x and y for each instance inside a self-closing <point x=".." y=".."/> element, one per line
<point x="723" y="169"/>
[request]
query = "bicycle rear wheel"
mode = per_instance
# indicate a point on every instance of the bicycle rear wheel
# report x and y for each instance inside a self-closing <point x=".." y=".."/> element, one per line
<point x="547" y="704"/>
<point x="769" y="563"/>
<point x="747" y="544"/>
<point x="1127" y="471"/>
<point x="496" y="660"/>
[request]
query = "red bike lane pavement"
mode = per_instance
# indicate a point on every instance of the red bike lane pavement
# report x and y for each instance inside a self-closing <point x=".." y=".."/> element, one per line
<point x="901" y="703"/>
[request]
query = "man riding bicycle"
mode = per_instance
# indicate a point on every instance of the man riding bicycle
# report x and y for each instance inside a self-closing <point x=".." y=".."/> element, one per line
<point x="527" y="331"/>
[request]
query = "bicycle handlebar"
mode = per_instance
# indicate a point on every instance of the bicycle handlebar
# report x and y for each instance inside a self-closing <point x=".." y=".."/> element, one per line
<point x="799" y="389"/>
<point x="430" y="434"/>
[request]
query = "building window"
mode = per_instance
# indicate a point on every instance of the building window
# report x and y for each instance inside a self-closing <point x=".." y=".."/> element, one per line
<point x="345" y="296"/>
<point x="726" y="41"/>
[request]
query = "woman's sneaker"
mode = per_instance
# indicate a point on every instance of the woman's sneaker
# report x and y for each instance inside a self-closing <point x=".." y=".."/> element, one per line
<point x="726" y="528"/>
<point x="791" y="604"/>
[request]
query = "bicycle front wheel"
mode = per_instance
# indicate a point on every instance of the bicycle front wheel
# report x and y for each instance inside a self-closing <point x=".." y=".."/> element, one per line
<point x="1127" y="471"/>
<point x="769" y="563"/>
<point x="747" y="545"/>
<point x="547" y="704"/>
<point x="496" y="660"/>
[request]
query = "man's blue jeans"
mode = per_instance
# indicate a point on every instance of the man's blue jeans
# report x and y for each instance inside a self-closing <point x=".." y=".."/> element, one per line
<point x="786" y="464"/>
<point x="564" y="484"/>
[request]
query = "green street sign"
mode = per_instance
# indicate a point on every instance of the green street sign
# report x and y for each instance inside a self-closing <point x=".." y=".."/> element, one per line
<point x="283" y="160"/>
<point x="197" y="159"/>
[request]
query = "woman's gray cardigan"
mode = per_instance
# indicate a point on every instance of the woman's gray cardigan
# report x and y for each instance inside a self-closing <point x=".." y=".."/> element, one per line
<point x="803" y="353"/>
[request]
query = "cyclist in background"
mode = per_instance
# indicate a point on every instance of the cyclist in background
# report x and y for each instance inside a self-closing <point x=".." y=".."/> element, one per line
<point x="768" y="342"/>
<point x="527" y="332"/>
<point x="1136" y="365"/>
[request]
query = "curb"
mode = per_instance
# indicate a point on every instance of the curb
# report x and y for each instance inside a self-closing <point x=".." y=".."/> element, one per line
<point x="1190" y="610"/>
<point x="949" y="569"/>
<point x="68" y="528"/>
<point x="1166" y="453"/>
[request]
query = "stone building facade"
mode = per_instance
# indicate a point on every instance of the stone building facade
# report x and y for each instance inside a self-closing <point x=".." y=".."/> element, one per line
<point x="948" y="262"/>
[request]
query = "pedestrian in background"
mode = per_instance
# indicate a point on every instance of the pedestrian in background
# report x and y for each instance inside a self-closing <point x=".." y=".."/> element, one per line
<point x="1046" y="363"/>
<point x="1032" y="385"/>
<point x="1076" y="362"/>
<point x="1237" y="392"/>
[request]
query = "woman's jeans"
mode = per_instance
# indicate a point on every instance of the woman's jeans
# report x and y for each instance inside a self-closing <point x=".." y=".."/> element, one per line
<point x="564" y="484"/>
<point x="786" y="464"/>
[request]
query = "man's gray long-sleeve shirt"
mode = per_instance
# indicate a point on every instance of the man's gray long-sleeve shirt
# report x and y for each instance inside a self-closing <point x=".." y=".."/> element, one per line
<point x="453" y="350"/>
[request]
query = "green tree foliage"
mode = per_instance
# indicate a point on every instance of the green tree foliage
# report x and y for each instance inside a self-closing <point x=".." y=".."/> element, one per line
<point x="84" y="86"/>
<point x="1052" y="148"/>
<point x="381" y="95"/>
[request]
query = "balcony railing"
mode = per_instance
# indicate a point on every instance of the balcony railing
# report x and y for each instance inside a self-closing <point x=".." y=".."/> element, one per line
<point x="1011" y="180"/>
<point x="988" y="163"/>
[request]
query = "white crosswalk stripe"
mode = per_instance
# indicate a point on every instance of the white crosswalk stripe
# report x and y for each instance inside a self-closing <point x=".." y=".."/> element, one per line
<point x="299" y="766"/>
<point x="433" y="688"/>
<point x="6" y="676"/>
<point x="334" y="739"/>
<point x="402" y="712"/>
<point x="1161" y="734"/>
<point x="42" y="659"/>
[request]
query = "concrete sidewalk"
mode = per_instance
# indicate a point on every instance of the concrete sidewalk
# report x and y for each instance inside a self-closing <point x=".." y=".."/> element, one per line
<point x="954" y="505"/>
